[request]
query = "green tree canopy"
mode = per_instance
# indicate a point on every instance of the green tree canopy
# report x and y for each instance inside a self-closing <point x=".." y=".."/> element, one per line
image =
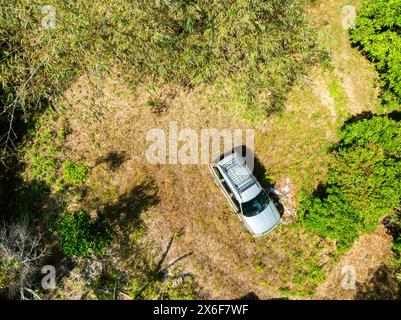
<point x="378" y="33"/>
<point x="363" y="182"/>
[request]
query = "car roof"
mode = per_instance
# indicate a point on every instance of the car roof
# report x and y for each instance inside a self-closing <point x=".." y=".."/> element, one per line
<point x="239" y="177"/>
<point x="250" y="193"/>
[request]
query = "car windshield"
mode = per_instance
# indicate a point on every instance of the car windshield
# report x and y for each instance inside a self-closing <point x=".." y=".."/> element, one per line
<point x="256" y="205"/>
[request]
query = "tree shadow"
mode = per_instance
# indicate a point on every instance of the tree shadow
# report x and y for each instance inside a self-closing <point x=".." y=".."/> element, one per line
<point x="383" y="286"/>
<point x="126" y="211"/>
<point x="393" y="226"/>
<point x="395" y="115"/>
<point x="113" y="159"/>
<point x="320" y="191"/>
<point x="259" y="171"/>
<point x="249" y="296"/>
<point x="158" y="273"/>
<point x="367" y="115"/>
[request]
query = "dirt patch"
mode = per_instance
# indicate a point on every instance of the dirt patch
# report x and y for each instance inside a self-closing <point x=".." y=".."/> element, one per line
<point x="284" y="188"/>
<point x="320" y="89"/>
<point x="348" y="16"/>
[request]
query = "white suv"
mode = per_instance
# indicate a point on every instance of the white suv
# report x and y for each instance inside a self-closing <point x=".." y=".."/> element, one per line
<point x="246" y="196"/>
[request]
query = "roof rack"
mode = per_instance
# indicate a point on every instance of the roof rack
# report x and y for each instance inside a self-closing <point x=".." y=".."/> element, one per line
<point x="238" y="172"/>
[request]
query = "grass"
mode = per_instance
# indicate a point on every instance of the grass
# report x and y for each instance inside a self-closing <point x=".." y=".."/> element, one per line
<point x="52" y="174"/>
<point x="44" y="158"/>
<point x="208" y="229"/>
<point x="74" y="173"/>
<point x="225" y="261"/>
<point x="337" y="91"/>
<point x="289" y="145"/>
<point x="356" y="75"/>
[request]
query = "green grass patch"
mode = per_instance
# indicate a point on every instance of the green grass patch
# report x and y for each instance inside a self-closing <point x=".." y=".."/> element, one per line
<point x="75" y="173"/>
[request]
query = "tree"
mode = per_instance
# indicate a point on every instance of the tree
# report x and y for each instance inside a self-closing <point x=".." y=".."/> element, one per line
<point x="363" y="182"/>
<point x="245" y="46"/>
<point x="20" y="257"/>
<point x="377" y="33"/>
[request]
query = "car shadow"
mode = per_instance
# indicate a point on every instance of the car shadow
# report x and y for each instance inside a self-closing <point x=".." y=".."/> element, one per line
<point x="259" y="171"/>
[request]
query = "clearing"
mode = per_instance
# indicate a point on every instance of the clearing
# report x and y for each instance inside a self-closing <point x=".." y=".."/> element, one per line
<point x="107" y="125"/>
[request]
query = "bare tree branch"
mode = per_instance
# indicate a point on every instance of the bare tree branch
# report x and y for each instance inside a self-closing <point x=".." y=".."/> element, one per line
<point x="7" y="139"/>
<point x="22" y="254"/>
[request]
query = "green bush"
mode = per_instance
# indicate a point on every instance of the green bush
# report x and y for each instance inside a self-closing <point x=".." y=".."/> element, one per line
<point x="42" y="153"/>
<point x="363" y="182"/>
<point x="80" y="235"/>
<point x="397" y="246"/>
<point x="8" y="272"/>
<point x="74" y="173"/>
<point x="378" y="33"/>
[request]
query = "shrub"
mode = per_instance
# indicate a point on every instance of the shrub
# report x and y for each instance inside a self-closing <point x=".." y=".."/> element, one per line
<point x="43" y="153"/>
<point x="80" y="235"/>
<point x="397" y="246"/>
<point x="363" y="182"/>
<point x="74" y="173"/>
<point x="377" y="33"/>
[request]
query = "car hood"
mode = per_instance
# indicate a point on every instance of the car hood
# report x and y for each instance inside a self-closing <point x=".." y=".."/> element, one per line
<point x="264" y="221"/>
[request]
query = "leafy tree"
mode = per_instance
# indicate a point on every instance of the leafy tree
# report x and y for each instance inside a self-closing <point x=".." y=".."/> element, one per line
<point x="80" y="235"/>
<point x="378" y="33"/>
<point x="363" y="182"/>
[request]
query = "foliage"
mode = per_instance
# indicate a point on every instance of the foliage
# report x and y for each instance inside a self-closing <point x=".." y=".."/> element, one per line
<point x="363" y="182"/>
<point x="43" y="158"/>
<point x="80" y="235"/>
<point x="29" y="196"/>
<point x="74" y="173"/>
<point x="43" y="147"/>
<point x="378" y="33"/>
<point x="307" y="281"/>
<point x="397" y="246"/>
<point x="255" y="49"/>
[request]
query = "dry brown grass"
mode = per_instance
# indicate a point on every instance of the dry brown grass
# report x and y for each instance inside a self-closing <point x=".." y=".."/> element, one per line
<point x="224" y="257"/>
<point x="357" y="75"/>
<point x="372" y="252"/>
